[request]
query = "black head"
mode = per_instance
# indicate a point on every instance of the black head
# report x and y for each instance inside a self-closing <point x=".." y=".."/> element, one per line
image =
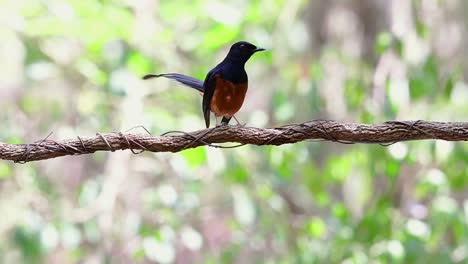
<point x="242" y="50"/>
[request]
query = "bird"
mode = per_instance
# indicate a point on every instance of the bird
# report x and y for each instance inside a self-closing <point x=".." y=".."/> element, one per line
<point x="224" y="87"/>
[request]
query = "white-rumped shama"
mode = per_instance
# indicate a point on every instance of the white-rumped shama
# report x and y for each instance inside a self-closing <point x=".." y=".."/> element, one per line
<point x="225" y="85"/>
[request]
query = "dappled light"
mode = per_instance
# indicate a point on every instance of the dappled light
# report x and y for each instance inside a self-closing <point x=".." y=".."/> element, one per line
<point x="75" y="68"/>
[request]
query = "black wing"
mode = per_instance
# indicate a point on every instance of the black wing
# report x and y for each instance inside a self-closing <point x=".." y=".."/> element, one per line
<point x="209" y="85"/>
<point x="183" y="79"/>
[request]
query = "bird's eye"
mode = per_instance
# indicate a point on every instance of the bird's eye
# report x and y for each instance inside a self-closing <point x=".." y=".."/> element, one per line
<point x="242" y="46"/>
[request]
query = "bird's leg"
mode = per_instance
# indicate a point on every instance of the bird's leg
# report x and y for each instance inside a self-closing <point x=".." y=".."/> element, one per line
<point x="216" y="120"/>
<point x="238" y="123"/>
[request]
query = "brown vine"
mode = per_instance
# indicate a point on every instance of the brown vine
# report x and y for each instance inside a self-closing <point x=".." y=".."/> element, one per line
<point x="174" y="141"/>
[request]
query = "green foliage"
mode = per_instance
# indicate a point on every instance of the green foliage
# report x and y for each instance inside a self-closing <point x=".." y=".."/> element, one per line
<point x="194" y="157"/>
<point x="28" y="242"/>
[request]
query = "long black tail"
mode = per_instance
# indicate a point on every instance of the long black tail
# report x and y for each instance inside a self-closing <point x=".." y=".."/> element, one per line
<point x="183" y="79"/>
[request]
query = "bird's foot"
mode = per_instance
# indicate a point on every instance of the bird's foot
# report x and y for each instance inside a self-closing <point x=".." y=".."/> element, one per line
<point x="239" y="123"/>
<point x="221" y="124"/>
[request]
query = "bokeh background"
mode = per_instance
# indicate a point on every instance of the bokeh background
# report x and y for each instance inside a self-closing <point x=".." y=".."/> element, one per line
<point x="74" y="67"/>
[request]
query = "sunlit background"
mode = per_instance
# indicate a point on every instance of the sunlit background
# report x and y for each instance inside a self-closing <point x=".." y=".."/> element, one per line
<point x="74" y="67"/>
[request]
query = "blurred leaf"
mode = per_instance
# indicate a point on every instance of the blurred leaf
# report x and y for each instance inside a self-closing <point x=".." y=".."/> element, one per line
<point x="219" y="35"/>
<point x="4" y="171"/>
<point x="29" y="104"/>
<point x="424" y="82"/>
<point x="28" y="241"/>
<point x="174" y="11"/>
<point x="237" y="174"/>
<point x="390" y="107"/>
<point x="448" y="88"/>
<point x="392" y="167"/>
<point x="376" y="223"/>
<point x="138" y="64"/>
<point x="316" y="227"/>
<point x="284" y="109"/>
<point x="383" y="42"/>
<point x="354" y="93"/>
<point x="146" y="230"/>
<point x="138" y="255"/>
<point x="14" y="140"/>
<point x="264" y="192"/>
<point x="399" y="47"/>
<point x="339" y="211"/>
<point x="194" y="156"/>
<point x="316" y="71"/>
<point x="421" y="29"/>
<point x="322" y="199"/>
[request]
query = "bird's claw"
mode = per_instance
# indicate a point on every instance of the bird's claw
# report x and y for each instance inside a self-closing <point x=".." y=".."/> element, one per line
<point x="221" y="125"/>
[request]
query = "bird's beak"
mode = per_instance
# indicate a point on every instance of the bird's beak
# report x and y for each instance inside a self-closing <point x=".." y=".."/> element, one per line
<point x="258" y="49"/>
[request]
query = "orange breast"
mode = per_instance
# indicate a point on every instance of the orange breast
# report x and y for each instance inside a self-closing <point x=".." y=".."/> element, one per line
<point x="227" y="97"/>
